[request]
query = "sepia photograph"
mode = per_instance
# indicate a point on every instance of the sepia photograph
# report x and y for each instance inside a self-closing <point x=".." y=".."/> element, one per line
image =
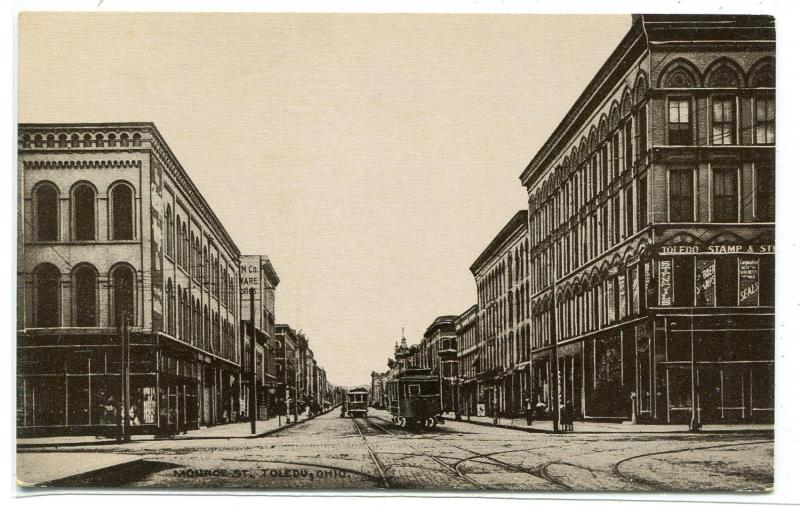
<point x="519" y="252"/>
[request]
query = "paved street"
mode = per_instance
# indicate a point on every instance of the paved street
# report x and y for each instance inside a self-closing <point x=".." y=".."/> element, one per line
<point x="331" y="452"/>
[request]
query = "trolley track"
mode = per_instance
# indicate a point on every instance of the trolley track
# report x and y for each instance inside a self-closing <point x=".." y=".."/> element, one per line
<point x="378" y="464"/>
<point x="540" y="472"/>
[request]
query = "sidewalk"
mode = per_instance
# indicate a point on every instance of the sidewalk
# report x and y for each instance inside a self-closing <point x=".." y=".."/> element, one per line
<point x="224" y="431"/>
<point x="546" y="426"/>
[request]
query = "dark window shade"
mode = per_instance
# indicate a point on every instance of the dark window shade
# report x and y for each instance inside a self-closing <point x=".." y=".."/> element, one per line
<point x="726" y="201"/>
<point x="84" y="213"/>
<point x="85" y="297"/>
<point x="46" y="296"/>
<point x="681" y="195"/>
<point x="684" y="281"/>
<point x="765" y="192"/>
<point x="46" y="214"/>
<point x="727" y="280"/>
<point x="122" y="201"/>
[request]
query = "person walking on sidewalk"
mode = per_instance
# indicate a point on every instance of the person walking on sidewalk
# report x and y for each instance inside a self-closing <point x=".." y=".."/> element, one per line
<point x="528" y="412"/>
<point x="495" y="410"/>
<point x="569" y="415"/>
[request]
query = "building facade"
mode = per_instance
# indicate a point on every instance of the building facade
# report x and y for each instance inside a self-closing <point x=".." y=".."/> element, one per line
<point x="467" y="356"/>
<point x="503" y="313"/>
<point x="438" y="349"/>
<point x="286" y="363"/>
<point x="113" y="233"/>
<point x="651" y="218"/>
<point x="258" y="277"/>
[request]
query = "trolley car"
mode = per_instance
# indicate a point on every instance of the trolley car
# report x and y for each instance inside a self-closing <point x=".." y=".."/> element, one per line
<point x="414" y="399"/>
<point x="356" y="403"/>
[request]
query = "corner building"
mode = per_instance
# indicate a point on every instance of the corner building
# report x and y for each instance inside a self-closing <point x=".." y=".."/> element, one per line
<point x="111" y="228"/>
<point x="652" y="222"/>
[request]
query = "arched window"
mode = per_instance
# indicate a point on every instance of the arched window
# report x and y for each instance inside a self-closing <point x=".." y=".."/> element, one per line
<point x="122" y="213"/>
<point x="122" y="285"/>
<point x="45" y="201"/>
<point x="170" y="231"/>
<point x="85" y="294"/>
<point x="46" y="296"/>
<point x="170" y="308"/>
<point x="185" y="246"/>
<point x="83" y="209"/>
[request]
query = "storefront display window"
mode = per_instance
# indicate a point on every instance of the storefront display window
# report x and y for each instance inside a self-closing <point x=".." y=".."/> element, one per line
<point x="705" y="288"/>
<point x="665" y="282"/>
<point x="748" y="282"/>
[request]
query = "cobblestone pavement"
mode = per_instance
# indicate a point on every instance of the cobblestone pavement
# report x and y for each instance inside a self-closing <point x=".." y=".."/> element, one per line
<point x="331" y="452"/>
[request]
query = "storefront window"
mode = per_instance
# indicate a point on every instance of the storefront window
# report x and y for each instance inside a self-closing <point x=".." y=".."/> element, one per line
<point x="78" y="400"/>
<point x="665" y="282"/>
<point x="105" y="400"/>
<point x="748" y="282"/>
<point x="767" y="280"/>
<point x="705" y="289"/>
<point x="727" y="280"/>
<point x="684" y="280"/>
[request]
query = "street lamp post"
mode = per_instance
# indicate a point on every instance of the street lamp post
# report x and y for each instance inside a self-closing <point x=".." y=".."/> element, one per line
<point x="694" y="423"/>
<point x="252" y="407"/>
<point x="554" y="382"/>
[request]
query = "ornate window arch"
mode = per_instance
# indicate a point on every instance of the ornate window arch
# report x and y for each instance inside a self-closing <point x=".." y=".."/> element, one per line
<point x="170" y="230"/>
<point x="84" y="294"/>
<point x="84" y="211"/>
<point x="724" y="73"/>
<point x="762" y="73"/>
<point x="679" y="73"/>
<point x="122" y="206"/>
<point x="45" y="211"/>
<point x="47" y="295"/>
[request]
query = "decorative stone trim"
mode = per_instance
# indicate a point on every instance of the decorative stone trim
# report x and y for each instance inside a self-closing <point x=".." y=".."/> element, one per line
<point x="82" y="164"/>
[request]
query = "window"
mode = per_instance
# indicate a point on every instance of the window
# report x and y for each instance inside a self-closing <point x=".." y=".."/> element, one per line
<point x="83" y="202"/>
<point x="725" y="204"/>
<point x="681" y="195"/>
<point x="641" y="193"/>
<point x="680" y="124"/>
<point x="46" y="213"/>
<point x="615" y="155"/>
<point x="628" y="144"/>
<point x="748" y="282"/>
<point x="765" y="192"/>
<point x="170" y="308"/>
<point x="706" y="282"/>
<point x="122" y="213"/>
<point x="684" y="281"/>
<point x="727" y="278"/>
<point x="629" y="211"/>
<point x="723" y="121"/>
<point x="47" y="301"/>
<point x="170" y="231"/>
<point x="85" y="297"/>
<point x="765" y="121"/>
<point x="641" y="132"/>
<point x="122" y="280"/>
<point x="767" y="280"/>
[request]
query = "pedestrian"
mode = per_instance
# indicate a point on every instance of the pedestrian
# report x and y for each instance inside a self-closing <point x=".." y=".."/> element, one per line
<point x="528" y="411"/>
<point x="495" y="410"/>
<point x="569" y="416"/>
<point x="540" y="409"/>
<point x="344" y="411"/>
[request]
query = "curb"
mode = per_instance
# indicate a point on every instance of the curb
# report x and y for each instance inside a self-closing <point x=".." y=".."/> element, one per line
<point x="109" y="442"/>
<point x="544" y="431"/>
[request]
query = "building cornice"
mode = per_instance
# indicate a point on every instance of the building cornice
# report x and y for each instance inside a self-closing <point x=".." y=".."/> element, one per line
<point x="517" y="222"/>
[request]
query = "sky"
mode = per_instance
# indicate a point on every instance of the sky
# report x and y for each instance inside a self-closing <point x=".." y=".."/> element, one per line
<point x="372" y="157"/>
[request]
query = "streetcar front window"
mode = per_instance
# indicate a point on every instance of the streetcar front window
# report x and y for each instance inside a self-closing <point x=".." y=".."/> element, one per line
<point x="413" y="389"/>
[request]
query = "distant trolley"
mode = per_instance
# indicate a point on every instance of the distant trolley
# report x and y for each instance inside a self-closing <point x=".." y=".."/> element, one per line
<point x="414" y="399"/>
<point x="356" y="402"/>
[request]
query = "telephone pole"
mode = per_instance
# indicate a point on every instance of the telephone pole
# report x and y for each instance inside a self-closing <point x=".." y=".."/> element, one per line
<point x="252" y="407"/>
<point x="124" y="377"/>
<point x="554" y="383"/>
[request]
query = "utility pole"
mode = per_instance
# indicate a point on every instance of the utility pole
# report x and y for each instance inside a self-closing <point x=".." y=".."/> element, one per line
<point x="124" y="377"/>
<point x="554" y="385"/>
<point x="252" y="361"/>
<point x="694" y="423"/>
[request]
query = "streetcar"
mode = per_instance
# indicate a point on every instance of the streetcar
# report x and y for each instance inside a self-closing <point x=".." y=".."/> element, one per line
<point x="415" y="400"/>
<point x="356" y="402"/>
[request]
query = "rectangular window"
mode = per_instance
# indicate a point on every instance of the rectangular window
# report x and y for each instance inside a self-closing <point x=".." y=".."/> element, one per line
<point x="727" y="278"/>
<point x="726" y="200"/>
<point x="766" y="280"/>
<point x="684" y="281"/>
<point x="604" y="166"/>
<point x="616" y="219"/>
<point x="765" y="121"/>
<point x="629" y="211"/>
<point x="641" y="132"/>
<point x="628" y="144"/>
<point x="748" y="282"/>
<point x="705" y="290"/>
<point x="723" y="121"/>
<point x="680" y="124"/>
<point x="642" y="203"/>
<point x="615" y="155"/>
<point x="765" y="192"/>
<point x="681" y="195"/>
<point x="623" y="296"/>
